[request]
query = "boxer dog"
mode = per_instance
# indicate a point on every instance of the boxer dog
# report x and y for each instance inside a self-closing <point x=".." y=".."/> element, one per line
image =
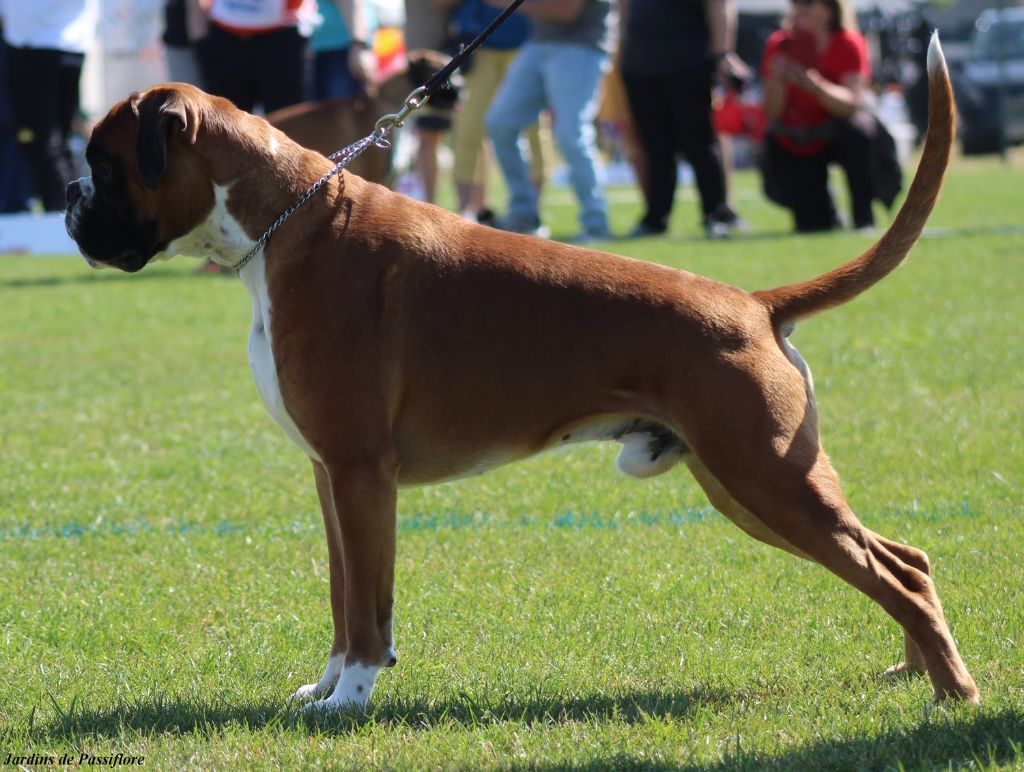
<point x="397" y="344"/>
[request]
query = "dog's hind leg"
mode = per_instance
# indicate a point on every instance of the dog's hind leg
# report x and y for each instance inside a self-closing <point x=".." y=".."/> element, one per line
<point x="336" y="660"/>
<point x="761" y="448"/>
<point x="728" y="506"/>
<point x="913" y="663"/>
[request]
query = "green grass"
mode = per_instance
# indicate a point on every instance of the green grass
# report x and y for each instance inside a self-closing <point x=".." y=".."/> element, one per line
<point x="163" y="581"/>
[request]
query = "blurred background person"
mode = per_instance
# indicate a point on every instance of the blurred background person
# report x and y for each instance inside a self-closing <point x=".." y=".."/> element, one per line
<point x="559" y="67"/>
<point x="46" y="42"/>
<point x="673" y="52"/>
<point x="257" y="52"/>
<point x="482" y="75"/>
<point x="344" y="64"/>
<point x="616" y="131"/>
<point x="815" y="72"/>
<point x="15" y="185"/>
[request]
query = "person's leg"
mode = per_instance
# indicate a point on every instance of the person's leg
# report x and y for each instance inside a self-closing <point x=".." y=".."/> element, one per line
<point x="538" y="170"/>
<point x="280" y="60"/>
<point x="813" y="208"/>
<point x="801" y="182"/>
<point x="653" y="124"/>
<point x="480" y="83"/>
<point x="426" y="159"/>
<point x="690" y="103"/>
<point x="68" y="78"/>
<point x="516" y="105"/>
<point x="572" y="79"/>
<point x="35" y="85"/>
<point x="851" y="149"/>
<point x="15" y="182"/>
<point x="225" y="63"/>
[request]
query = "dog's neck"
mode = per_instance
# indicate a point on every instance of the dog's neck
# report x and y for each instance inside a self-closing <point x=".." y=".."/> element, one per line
<point x="220" y="237"/>
<point x="246" y="201"/>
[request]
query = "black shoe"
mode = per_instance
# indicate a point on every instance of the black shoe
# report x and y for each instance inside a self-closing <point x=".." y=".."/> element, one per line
<point x="642" y="230"/>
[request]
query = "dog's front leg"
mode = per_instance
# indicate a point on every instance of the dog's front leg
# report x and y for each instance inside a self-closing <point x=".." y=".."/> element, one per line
<point x="364" y="498"/>
<point x="336" y="660"/>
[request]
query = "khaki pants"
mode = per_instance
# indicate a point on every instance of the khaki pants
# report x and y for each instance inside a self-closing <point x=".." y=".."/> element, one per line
<point x="481" y="82"/>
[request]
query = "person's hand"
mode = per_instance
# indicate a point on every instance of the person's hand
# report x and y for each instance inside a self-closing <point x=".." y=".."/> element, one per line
<point x="778" y="68"/>
<point x="796" y="74"/>
<point x="813" y="80"/>
<point x="732" y="68"/>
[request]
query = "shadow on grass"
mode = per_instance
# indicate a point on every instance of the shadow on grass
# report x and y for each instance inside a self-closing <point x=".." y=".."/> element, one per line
<point x="184" y="716"/>
<point x="88" y="276"/>
<point x="959" y="737"/>
<point x="964" y="737"/>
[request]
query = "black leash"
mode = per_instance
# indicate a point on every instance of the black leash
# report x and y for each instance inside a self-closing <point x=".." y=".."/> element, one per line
<point x="441" y="76"/>
<point x="422" y="95"/>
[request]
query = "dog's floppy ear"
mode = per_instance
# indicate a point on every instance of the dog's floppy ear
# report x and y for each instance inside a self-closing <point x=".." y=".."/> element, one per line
<point x="160" y="113"/>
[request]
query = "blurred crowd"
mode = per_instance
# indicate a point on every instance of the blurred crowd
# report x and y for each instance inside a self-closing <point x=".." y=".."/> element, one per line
<point x="643" y="84"/>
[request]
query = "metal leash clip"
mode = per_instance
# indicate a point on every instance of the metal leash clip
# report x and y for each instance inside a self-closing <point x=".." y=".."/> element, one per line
<point x="388" y="123"/>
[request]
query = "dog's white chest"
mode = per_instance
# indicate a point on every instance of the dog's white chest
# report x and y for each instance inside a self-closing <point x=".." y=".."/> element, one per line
<point x="261" y="355"/>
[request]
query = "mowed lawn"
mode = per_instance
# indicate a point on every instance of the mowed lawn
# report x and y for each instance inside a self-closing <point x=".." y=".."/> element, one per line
<point x="163" y="580"/>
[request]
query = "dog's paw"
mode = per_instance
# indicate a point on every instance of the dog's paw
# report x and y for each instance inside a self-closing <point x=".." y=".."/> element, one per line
<point x="332" y="705"/>
<point x="353" y="689"/>
<point x="309" y="692"/>
<point x="902" y="671"/>
<point x="327" y="682"/>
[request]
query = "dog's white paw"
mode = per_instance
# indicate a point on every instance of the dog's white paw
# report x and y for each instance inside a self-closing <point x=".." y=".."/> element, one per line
<point x="331" y="705"/>
<point x="327" y="682"/>
<point x="309" y="692"/>
<point x="353" y="689"/>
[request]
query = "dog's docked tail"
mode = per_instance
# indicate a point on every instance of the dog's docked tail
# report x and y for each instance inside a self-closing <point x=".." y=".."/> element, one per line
<point x="798" y="301"/>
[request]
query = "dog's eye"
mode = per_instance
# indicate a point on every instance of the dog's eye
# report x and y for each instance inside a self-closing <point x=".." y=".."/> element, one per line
<point x="103" y="169"/>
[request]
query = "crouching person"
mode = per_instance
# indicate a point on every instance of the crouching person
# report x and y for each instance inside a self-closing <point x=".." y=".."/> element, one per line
<point x="815" y="72"/>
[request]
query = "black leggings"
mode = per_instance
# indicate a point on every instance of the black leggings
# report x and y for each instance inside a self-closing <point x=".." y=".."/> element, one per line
<point x="271" y="69"/>
<point x="800" y="182"/>
<point x="672" y="114"/>
<point x="44" y="98"/>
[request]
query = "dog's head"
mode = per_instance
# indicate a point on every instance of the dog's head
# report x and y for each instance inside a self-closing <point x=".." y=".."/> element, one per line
<point x="151" y="182"/>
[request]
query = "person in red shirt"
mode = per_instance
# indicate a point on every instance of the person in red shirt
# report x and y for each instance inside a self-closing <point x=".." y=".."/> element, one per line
<point x="815" y="73"/>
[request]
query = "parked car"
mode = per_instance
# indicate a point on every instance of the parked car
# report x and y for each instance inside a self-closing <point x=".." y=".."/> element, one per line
<point x="993" y="72"/>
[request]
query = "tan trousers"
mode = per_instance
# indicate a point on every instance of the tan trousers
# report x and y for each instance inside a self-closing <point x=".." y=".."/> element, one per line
<point x="468" y="132"/>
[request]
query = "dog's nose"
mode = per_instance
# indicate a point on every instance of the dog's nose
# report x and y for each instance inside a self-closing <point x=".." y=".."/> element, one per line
<point x="72" y="193"/>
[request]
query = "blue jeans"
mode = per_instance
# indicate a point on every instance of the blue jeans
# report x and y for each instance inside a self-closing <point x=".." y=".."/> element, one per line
<point x="566" y="78"/>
